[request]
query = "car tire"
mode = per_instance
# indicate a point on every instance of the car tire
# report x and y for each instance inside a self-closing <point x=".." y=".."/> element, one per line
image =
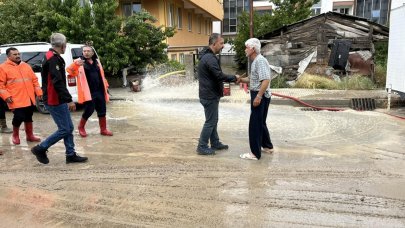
<point x="41" y="106"/>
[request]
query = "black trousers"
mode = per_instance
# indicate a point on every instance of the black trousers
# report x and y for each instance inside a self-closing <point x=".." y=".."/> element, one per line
<point x="98" y="103"/>
<point x="3" y="107"/>
<point x="22" y="115"/>
<point x="259" y="135"/>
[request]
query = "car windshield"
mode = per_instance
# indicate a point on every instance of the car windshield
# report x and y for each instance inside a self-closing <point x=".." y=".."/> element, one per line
<point x="78" y="52"/>
<point x="34" y="59"/>
<point x="3" y="58"/>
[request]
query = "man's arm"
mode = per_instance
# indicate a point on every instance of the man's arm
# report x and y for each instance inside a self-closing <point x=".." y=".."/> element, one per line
<point x="4" y="94"/>
<point x="73" y="69"/>
<point x="214" y="68"/>
<point x="35" y="83"/>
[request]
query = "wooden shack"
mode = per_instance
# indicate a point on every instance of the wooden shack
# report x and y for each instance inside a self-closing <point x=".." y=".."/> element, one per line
<point x="288" y="45"/>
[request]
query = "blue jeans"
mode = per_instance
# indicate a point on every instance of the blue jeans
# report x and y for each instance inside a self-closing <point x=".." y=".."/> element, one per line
<point x="209" y="131"/>
<point x="61" y="116"/>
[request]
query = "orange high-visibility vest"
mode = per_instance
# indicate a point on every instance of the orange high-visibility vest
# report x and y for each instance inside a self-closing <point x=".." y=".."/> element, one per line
<point x="19" y="82"/>
<point x="83" y="90"/>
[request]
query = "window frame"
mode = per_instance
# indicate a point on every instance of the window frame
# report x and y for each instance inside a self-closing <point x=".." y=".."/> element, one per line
<point x="190" y="21"/>
<point x="179" y="18"/>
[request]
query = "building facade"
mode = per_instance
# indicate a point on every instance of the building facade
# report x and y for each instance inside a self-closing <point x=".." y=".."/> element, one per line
<point x="374" y="10"/>
<point x="232" y="10"/>
<point x="192" y="20"/>
<point x="339" y="6"/>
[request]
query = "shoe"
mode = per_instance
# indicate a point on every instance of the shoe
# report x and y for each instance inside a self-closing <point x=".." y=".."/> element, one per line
<point x="268" y="150"/>
<point x="40" y="153"/>
<point x="219" y="146"/>
<point x="248" y="156"/>
<point x="75" y="158"/>
<point x="205" y="151"/>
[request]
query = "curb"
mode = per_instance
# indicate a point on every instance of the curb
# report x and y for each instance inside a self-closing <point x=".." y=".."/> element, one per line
<point x="341" y="103"/>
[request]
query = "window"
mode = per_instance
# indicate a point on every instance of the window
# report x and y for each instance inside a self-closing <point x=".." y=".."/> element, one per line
<point x="190" y="21"/>
<point x="341" y="10"/>
<point x="130" y="8"/>
<point x="181" y="58"/>
<point x="316" y="11"/>
<point x="173" y="57"/>
<point x="199" y="24"/>
<point x="34" y="59"/>
<point x="344" y="10"/>
<point x="3" y="57"/>
<point x="179" y="18"/>
<point x="170" y="15"/>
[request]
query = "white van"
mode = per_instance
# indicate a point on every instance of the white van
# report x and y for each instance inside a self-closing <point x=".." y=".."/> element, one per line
<point x="33" y="54"/>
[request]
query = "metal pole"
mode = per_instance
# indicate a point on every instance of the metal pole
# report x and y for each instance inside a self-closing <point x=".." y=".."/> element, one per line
<point x="389" y="98"/>
<point x="251" y="30"/>
<point x="251" y="17"/>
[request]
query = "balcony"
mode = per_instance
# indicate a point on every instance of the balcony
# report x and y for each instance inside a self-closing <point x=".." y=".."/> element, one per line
<point x="215" y="8"/>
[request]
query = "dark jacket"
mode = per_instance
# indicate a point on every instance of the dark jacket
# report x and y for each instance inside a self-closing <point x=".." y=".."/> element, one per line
<point x="54" y="79"/>
<point x="210" y="77"/>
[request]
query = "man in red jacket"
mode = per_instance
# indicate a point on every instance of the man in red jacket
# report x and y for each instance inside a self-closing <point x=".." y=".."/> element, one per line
<point x="18" y="87"/>
<point x="58" y="102"/>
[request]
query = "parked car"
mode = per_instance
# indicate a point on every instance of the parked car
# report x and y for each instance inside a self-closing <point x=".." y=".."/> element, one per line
<point x="33" y="53"/>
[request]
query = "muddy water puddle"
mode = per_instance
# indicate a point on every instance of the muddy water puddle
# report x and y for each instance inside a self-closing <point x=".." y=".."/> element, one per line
<point x="329" y="169"/>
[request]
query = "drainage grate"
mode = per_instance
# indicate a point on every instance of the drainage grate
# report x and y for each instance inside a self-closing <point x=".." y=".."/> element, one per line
<point x="363" y="104"/>
<point x="309" y="109"/>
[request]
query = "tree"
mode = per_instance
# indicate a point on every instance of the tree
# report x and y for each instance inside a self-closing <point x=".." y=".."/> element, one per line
<point x="285" y="12"/>
<point x="120" y="42"/>
<point x="16" y="18"/>
<point x="144" y="40"/>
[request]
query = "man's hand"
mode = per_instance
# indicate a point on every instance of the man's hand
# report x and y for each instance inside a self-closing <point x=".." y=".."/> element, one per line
<point x="9" y="100"/>
<point x="237" y="79"/>
<point x="72" y="106"/>
<point x="79" y="62"/>
<point x="256" y="101"/>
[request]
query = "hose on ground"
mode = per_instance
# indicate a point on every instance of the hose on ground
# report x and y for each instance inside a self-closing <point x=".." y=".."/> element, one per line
<point x="396" y="116"/>
<point x="306" y="104"/>
<point x="327" y="109"/>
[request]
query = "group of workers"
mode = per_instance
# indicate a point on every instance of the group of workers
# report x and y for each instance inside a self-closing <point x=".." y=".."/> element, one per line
<point x="19" y="86"/>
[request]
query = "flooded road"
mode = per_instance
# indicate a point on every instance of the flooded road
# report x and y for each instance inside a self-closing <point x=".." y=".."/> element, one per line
<point x="339" y="169"/>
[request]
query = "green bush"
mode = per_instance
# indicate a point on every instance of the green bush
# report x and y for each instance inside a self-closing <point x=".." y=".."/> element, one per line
<point x="380" y="76"/>
<point x="381" y="53"/>
<point x="175" y="65"/>
<point x="279" y="82"/>
<point x="310" y="81"/>
<point x="357" y="82"/>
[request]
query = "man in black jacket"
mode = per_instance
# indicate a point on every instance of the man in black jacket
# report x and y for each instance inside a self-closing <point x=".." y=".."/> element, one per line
<point x="58" y="102"/>
<point x="210" y="80"/>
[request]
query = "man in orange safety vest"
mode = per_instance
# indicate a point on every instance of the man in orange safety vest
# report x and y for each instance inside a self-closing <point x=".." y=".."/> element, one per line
<point x="18" y="87"/>
<point x="91" y="88"/>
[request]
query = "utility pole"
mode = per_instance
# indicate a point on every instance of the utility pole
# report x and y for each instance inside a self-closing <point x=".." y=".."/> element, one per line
<point x="251" y="31"/>
<point x="251" y="17"/>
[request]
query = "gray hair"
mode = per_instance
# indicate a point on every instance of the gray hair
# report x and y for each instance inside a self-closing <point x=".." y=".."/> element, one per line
<point x="58" y="40"/>
<point x="254" y="43"/>
<point x="213" y="38"/>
